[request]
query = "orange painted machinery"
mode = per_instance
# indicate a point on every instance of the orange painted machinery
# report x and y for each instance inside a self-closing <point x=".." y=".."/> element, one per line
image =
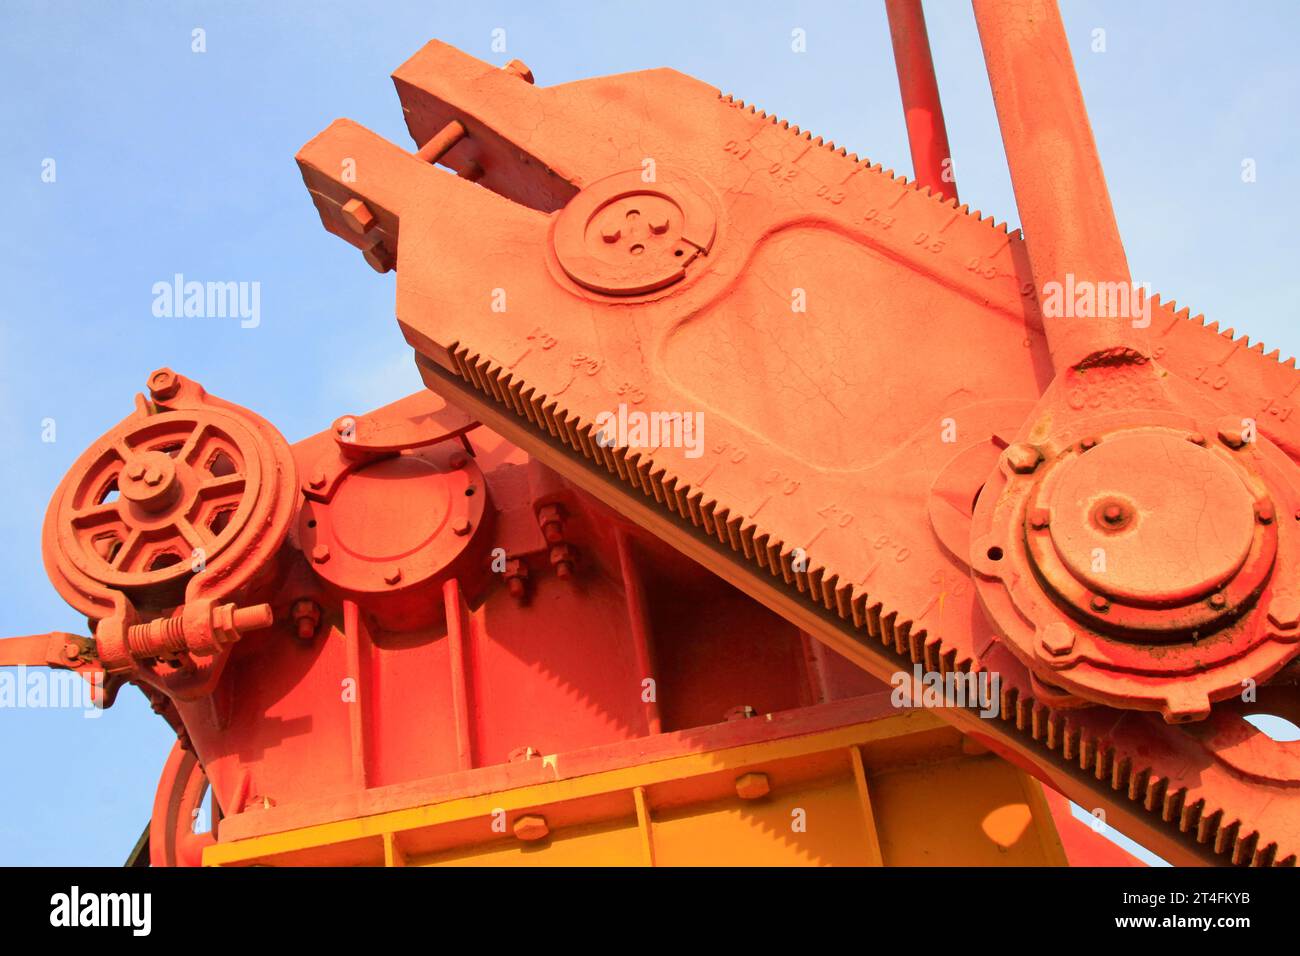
<point x="735" y="447"/>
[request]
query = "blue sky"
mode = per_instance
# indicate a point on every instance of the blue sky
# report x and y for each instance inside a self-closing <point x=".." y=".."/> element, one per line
<point x="173" y="161"/>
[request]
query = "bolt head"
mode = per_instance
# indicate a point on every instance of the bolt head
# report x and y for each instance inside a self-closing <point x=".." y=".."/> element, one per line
<point x="1284" y="611"/>
<point x="358" y="216"/>
<point x="461" y="527"/>
<point x="1040" y="518"/>
<point x="1099" y="604"/>
<point x="610" y="233"/>
<point x="317" y="480"/>
<point x="379" y="258"/>
<point x="1057" y="639"/>
<point x="320" y="554"/>
<point x="531" y="827"/>
<point x="135" y="471"/>
<point x="393" y="576"/>
<point x="1023" y="458"/>
<point x="658" y="224"/>
<point x="1230" y="433"/>
<point x="163" y="384"/>
<point x="520" y="69"/>
<point x="752" y="786"/>
<point x="1218" y="601"/>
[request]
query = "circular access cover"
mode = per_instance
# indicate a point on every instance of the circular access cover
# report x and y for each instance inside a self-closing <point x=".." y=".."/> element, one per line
<point x="1150" y="519"/>
<point x="623" y="235"/>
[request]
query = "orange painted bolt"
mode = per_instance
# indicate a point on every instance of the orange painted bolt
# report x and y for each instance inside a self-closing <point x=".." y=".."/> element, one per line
<point x="320" y="554"/>
<point x="1023" y="459"/>
<point x="751" y="786"/>
<point x="393" y="576"/>
<point x="306" y="618"/>
<point x="441" y="142"/>
<point x="379" y="258"/>
<point x="1057" y="639"/>
<point x="164" y="384"/>
<point x="461" y="527"/>
<point x="358" y="216"/>
<point x="520" y="69"/>
<point x="531" y="827"/>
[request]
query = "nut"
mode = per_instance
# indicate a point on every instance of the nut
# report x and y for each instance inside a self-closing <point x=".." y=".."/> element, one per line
<point x="531" y="827"/>
<point x="358" y="216"/>
<point x="164" y="384"/>
<point x="520" y="69"/>
<point x="1284" y="611"/>
<point x="1023" y="459"/>
<point x="1057" y="639"/>
<point x="379" y="257"/>
<point x="392" y="575"/>
<point x="320" y="554"/>
<point x="751" y="786"/>
<point x="306" y="618"/>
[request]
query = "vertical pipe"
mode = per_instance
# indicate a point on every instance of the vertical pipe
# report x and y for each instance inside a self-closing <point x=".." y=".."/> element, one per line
<point x="1060" y="188"/>
<point x="459" y="694"/>
<point x="926" y="133"/>
<point x="638" y="620"/>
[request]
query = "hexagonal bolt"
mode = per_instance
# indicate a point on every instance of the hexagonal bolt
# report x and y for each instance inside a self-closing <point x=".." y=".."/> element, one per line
<point x="317" y="480"/>
<point x="1264" y="512"/>
<point x="658" y="224"/>
<point x="358" y="216"/>
<point x="550" y="518"/>
<point x="1057" y="639"/>
<point x="135" y="471"/>
<point x="751" y="786"/>
<point x="380" y="259"/>
<point x="320" y="554"/>
<point x="610" y="233"/>
<point x="393" y="576"/>
<point x="1284" y="612"/>
<point x="520" y="69"/>
<point x="1230" y="433"/>
<point x="1023" y="458"/>
<point x="456" y="461"/>
<point x="163" y="384"/>
<point x="1218" y="601"/>
<point x="516" y="575"/>
<point x="1040" y="518"/>
<point x="1099" y="604"/>
<point x="530" y="827"/>
<point x="1196" y="438"/>
<point x="563" y="560"/>
<point x="1087" y="444"/>
<point x="306" y="618"/>
<point x="461" y="527"/>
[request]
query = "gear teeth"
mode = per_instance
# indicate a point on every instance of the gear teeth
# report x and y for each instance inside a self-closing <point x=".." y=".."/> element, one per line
<point x="866" y="614"/>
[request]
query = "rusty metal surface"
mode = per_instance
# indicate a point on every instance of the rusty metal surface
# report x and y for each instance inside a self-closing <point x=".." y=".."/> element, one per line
<point x="840" y="479"/>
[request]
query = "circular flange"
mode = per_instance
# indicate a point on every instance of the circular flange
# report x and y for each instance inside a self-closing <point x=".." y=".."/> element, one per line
<point x="161" y="497"/>
<point x="625" y="236"/>
<point x="1149" y="535"/>
<point x="395" y="523"/>
<point x="1134" y="567"/>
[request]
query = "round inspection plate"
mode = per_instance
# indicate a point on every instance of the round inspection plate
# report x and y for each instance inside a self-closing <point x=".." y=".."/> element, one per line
<point x="1150" y="519"/>
<point x="395" y="522"/>
<point x="623" y="235"/>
